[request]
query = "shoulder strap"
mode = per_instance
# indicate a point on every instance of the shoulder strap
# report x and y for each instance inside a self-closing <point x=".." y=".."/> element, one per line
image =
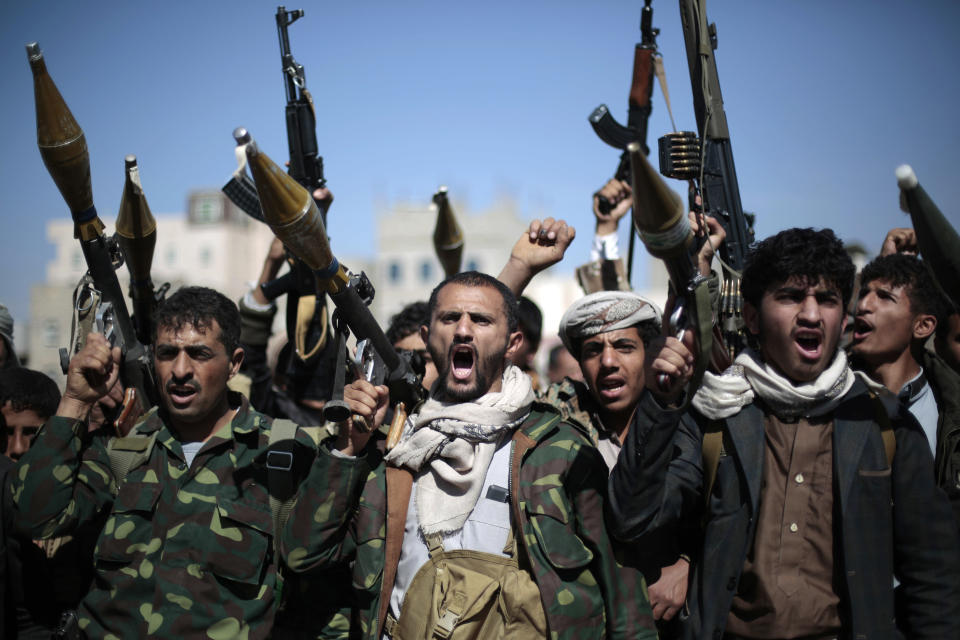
<point x="399" y="486"/>
<point x="710" y="452"/>
<point x="129" y="452"/>
<point x="279" y="472"/>
<point x="886" y="428"/>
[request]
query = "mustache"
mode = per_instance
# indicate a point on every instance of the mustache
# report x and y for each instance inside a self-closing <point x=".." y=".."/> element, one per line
<point x="173" y="384"/>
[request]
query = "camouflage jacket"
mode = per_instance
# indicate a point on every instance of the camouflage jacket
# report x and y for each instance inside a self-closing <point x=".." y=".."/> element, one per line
<point x="560" y="483"/>
<point x="574" y="402"/>
<point x="186" y="551"/>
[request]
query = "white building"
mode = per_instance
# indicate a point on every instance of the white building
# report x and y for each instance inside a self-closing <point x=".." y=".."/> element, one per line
<point x="215" y="245"/>
<point x="218" y="246"/>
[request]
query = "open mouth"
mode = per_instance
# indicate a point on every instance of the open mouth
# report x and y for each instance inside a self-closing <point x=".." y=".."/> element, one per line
<point x="181" y="394"/>
<point x="610" y="388"/>
<point x="462" y="361"/>
<point x="809" y="344"/>
<point x="861" y="329"/>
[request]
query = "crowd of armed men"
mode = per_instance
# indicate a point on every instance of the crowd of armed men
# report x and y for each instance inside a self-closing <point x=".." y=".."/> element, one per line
<point x="811" y="489"/>
<point x="775" y="455"/>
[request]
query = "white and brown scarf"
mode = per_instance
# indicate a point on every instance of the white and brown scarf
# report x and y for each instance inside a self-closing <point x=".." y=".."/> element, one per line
<point x="456" y="443"/>
<point x="721" y="396"/>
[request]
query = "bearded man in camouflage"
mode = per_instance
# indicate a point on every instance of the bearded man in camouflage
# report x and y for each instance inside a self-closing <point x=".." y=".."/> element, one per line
<point x="486" y="520"/>
<point x="187" y="549"/>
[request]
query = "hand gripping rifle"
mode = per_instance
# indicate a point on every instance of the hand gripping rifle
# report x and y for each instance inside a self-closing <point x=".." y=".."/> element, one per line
<point x="294" y="217"/>
<point x="63" y="148"/>
<point x="307" y="325"/>
<point x="641" y="90"/>
<point x="708" y="161"/>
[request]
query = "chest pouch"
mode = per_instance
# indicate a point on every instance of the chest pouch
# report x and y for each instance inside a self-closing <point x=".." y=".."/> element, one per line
<point x="469" y="595"/>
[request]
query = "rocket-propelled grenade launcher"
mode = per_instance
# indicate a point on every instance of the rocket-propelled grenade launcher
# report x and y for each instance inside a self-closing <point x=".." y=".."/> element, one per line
<point x="661" y="221"/>
<point x="136" y="234"/>
<point x="63" y="148"/>
<point x="292" y="214"/>
<point x="447" y="235"/>
<point x="938" y="241"/>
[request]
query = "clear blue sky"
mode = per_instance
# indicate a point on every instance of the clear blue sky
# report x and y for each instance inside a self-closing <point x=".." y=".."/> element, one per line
<point x="824" y="100"/>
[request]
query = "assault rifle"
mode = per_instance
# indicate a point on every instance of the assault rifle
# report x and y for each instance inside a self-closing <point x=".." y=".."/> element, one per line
<point x="707" y="160"/>
<point x="638" y="114"/>
<point x="63" y="148"/>
<point x="293" y="215"/>
<point x="306" y="314"/>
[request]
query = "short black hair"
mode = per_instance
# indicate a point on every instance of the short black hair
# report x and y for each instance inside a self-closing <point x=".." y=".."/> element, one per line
<point x="531" y="321"/>
<point x="199" y="306"/>
<point x="477" y="279"/>
<point x="807" y="254"/>
<point x="29" y="390"/>
<point x="912" y="273"/>
<point x="408" y="321"/>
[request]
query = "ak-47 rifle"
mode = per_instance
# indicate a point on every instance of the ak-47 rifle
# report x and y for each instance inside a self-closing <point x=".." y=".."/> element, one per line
<point x="708" y="162"/>
<point x="307" y="326"/>
<point x="294" y="217"/>
<point x="638" y="114"/>
<point x="63" y="148"/>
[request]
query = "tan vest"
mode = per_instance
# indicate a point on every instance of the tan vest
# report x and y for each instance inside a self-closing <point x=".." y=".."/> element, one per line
<point x="464" y="594"/>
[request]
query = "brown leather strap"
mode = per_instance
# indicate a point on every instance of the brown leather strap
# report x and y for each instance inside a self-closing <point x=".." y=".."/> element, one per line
<point x="399" y="485"/>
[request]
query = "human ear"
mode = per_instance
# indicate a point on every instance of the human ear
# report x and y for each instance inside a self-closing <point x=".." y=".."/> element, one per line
<point x="513" y="343"/>
<point x="751" y="317"/>
<point x="235" y="361"/>
<point x="923" y="326"/>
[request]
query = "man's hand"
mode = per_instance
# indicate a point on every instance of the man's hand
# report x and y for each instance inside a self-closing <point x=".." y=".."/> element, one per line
<point x="92" y="373"/>
<point x="619" y="194"/>
<point x="370" y="403"/>
<point x="672" y="358"/>
<point x="542" y="245"/>
<point x="324" y="198"/>
<point x="716" y="235"/>
<point x="668" y="594"/>
<point x="902" y="240"/>
<point x="276" y="256"/>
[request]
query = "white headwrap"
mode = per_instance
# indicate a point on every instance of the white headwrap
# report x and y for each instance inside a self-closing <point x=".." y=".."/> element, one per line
<point x="604" y="311"/>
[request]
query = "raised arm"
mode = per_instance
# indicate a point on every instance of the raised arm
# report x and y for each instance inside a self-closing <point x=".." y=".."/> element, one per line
<point x="541" y="246"/>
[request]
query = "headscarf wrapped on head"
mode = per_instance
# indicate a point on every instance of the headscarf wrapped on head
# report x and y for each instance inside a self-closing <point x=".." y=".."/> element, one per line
<point x="604" y="311"/>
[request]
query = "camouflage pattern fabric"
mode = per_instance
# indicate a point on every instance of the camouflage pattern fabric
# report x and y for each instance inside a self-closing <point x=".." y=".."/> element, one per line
<point x="558" y="490"/>
<point x="185" y="551"/>
<point x="574" y="402"/>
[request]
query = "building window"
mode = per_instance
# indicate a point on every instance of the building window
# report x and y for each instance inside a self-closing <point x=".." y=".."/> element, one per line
<point x="205" y="257"/>
<point x="473" y="265"/>
<point x="396" y="273"/>
<point x="171" y="256"/>
<point x="426" y="271"/>
<point x="76" y="260"/>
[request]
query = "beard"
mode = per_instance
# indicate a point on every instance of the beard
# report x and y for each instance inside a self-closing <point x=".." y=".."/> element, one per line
<point x="484" y="371"/>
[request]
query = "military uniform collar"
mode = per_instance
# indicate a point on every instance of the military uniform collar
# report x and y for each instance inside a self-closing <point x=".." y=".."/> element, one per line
<point x="245" y="421"/>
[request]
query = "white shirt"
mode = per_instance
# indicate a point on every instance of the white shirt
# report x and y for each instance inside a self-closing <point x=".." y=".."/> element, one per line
<point x="486" y="529"/>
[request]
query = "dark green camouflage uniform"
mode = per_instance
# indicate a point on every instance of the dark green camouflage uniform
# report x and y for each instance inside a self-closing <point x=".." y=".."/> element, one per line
<point x="341" y="517"/>
<point x="185" y="552"/>
<point x="573" y="400"/>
